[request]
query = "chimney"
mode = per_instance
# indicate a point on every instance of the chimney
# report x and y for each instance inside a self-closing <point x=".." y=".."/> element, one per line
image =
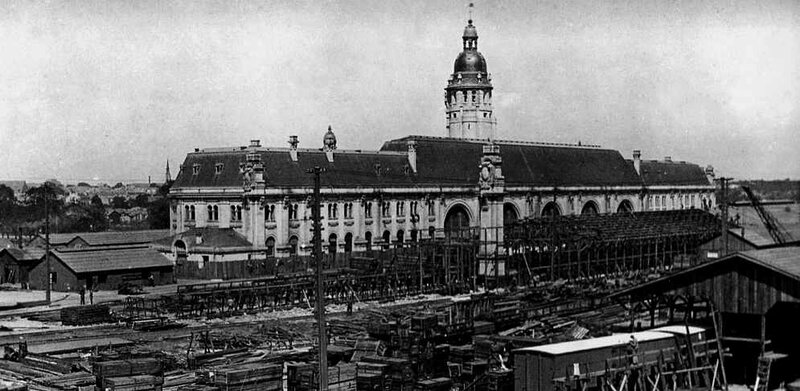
<point x="412" y="155"/>
<point x="668" y="159"/>
<point x="637" y="161"/>
<point x="293" y="147"/>
<point x="254" y="161"/>
<point x="710" y="173"/>
<point x="255" y="143"/>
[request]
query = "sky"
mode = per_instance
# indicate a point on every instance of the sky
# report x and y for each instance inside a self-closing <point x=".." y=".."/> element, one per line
<point x="111" y="90"/>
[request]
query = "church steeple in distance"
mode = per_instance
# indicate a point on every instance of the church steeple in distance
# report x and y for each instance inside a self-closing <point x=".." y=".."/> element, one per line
<point x="468" y="95"/>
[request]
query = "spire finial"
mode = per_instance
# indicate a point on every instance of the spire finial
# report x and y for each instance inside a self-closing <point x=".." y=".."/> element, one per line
<point x="469" y="8"/>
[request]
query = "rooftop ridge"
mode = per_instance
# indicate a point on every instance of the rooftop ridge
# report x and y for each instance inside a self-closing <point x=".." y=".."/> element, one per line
<point x="224" y="150"/>
<point x="500" y="141"/>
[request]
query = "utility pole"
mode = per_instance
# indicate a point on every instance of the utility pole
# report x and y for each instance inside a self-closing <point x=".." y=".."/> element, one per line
<point x="317" y="239"/>
<point x="47" y="242"/>
<point x="723" y="182"/>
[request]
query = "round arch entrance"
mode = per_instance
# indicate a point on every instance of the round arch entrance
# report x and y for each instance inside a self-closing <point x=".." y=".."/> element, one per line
<point x="625" y="207"/>
<point x="590" y="208"/>
<point x="551" y="209"/>
<point x="456" y="224"/>
<point x="510" y="214"/>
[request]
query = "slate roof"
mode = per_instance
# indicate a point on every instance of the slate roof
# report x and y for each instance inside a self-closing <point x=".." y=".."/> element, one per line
<point x="213" y="239"/>
<point x="672" y="173"/>
<point x="451" y="160"/>
<point x="440" y="161"/>
<point x="88" y="260"/>
<point x="349" y="168"/>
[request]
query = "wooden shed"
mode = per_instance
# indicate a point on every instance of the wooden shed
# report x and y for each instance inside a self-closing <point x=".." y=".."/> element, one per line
<point x="535" y="368"/>
<point x="757" y="295"/>
<point x="103" y="268"/>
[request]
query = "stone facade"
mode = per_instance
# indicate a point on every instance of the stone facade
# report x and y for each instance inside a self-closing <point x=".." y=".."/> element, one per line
<point x="416" y="187"/>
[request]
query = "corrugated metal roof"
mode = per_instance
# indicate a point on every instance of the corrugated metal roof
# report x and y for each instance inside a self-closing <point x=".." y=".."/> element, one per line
<point x="783" y="259"/>
<point x="595" y="343"/>
<point x="87" y="260"/>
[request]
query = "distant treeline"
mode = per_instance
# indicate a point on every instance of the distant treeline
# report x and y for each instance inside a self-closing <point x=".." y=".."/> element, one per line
<point x="766" y="190"/>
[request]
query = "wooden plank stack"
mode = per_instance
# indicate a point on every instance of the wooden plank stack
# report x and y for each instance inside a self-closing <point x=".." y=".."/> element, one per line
<point x="142" y="374"/>
<point x="249" y="377"/>
<point x="85" y="315"/>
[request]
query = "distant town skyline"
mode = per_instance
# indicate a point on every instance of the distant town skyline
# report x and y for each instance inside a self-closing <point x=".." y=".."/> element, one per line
<point x="112" y="89"/>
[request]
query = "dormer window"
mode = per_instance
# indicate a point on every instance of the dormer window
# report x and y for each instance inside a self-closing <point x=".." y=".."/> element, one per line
<point x="195" y="169"/>
<point x="218" y="168"/>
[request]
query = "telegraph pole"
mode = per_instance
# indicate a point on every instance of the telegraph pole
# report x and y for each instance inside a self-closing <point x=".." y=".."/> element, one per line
<point x="47" y="242"/>
<point x="724" y="205"/>
<point x="317" y="240"/>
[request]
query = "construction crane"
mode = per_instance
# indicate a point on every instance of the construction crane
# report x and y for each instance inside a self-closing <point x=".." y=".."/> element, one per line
<point x="775" y="229"/>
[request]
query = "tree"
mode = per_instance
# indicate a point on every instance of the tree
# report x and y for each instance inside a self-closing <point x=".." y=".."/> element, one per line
<point x="7" y="194"/>
<point x="118" y="185"/>
<point x="84" y="184"/>
<point x="97" y="201"/>
<point x="53" y="193"/>
<point x="141" y="200"/>
<point x="158" y="211"/>
<point x="119" y="202"/>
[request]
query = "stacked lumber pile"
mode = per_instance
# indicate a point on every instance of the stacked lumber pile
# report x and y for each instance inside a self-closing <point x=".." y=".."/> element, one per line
<point x="370" y="376"/>
<point x="249" y="377"/>
<point x="129" y="375"/>
<point x="71" y="381"/>
<point x="365" y="348"/>
<point x="437" y="384"/>
<point x="85" y="315"/>
<point x="400" y="373"/>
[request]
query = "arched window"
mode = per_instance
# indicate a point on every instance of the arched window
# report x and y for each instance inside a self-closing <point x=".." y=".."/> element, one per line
<point x="625" y="207"/>
<point x="191" y="212"/>
<point x="293" y="245"/>
<point x="269" y="212"/>
<point x="270" y="246"/>
<point x="432" y="232"/>
<point x="368" y="210"/>
<point x="348" y="242"/>
<point x="210" y="210"/>
<point x="216" y="213"/>
<point x="387" y="238"/>
<point x="400" y="235"/>
<point x="332" y="244"/>
<point x="414" y="234"/>
<point x="368" y="239"/>
<point x="186" y="214"/>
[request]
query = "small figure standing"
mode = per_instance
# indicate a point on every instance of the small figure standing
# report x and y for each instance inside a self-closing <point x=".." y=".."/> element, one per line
<point x="91" y="296"/>
<point x="151" y="279"/>
<point x="633" y="350"/>
<point x="82" y="292"/>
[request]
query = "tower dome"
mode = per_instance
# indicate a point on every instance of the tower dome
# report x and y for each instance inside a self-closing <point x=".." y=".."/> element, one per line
<point x="468" y="95"/>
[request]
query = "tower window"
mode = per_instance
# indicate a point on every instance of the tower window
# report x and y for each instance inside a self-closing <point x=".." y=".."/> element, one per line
<point x="195" y="169"/>
<point x="485" y="115"/>
<point x="368" y="210"/>
<point x="474" y="96"/>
